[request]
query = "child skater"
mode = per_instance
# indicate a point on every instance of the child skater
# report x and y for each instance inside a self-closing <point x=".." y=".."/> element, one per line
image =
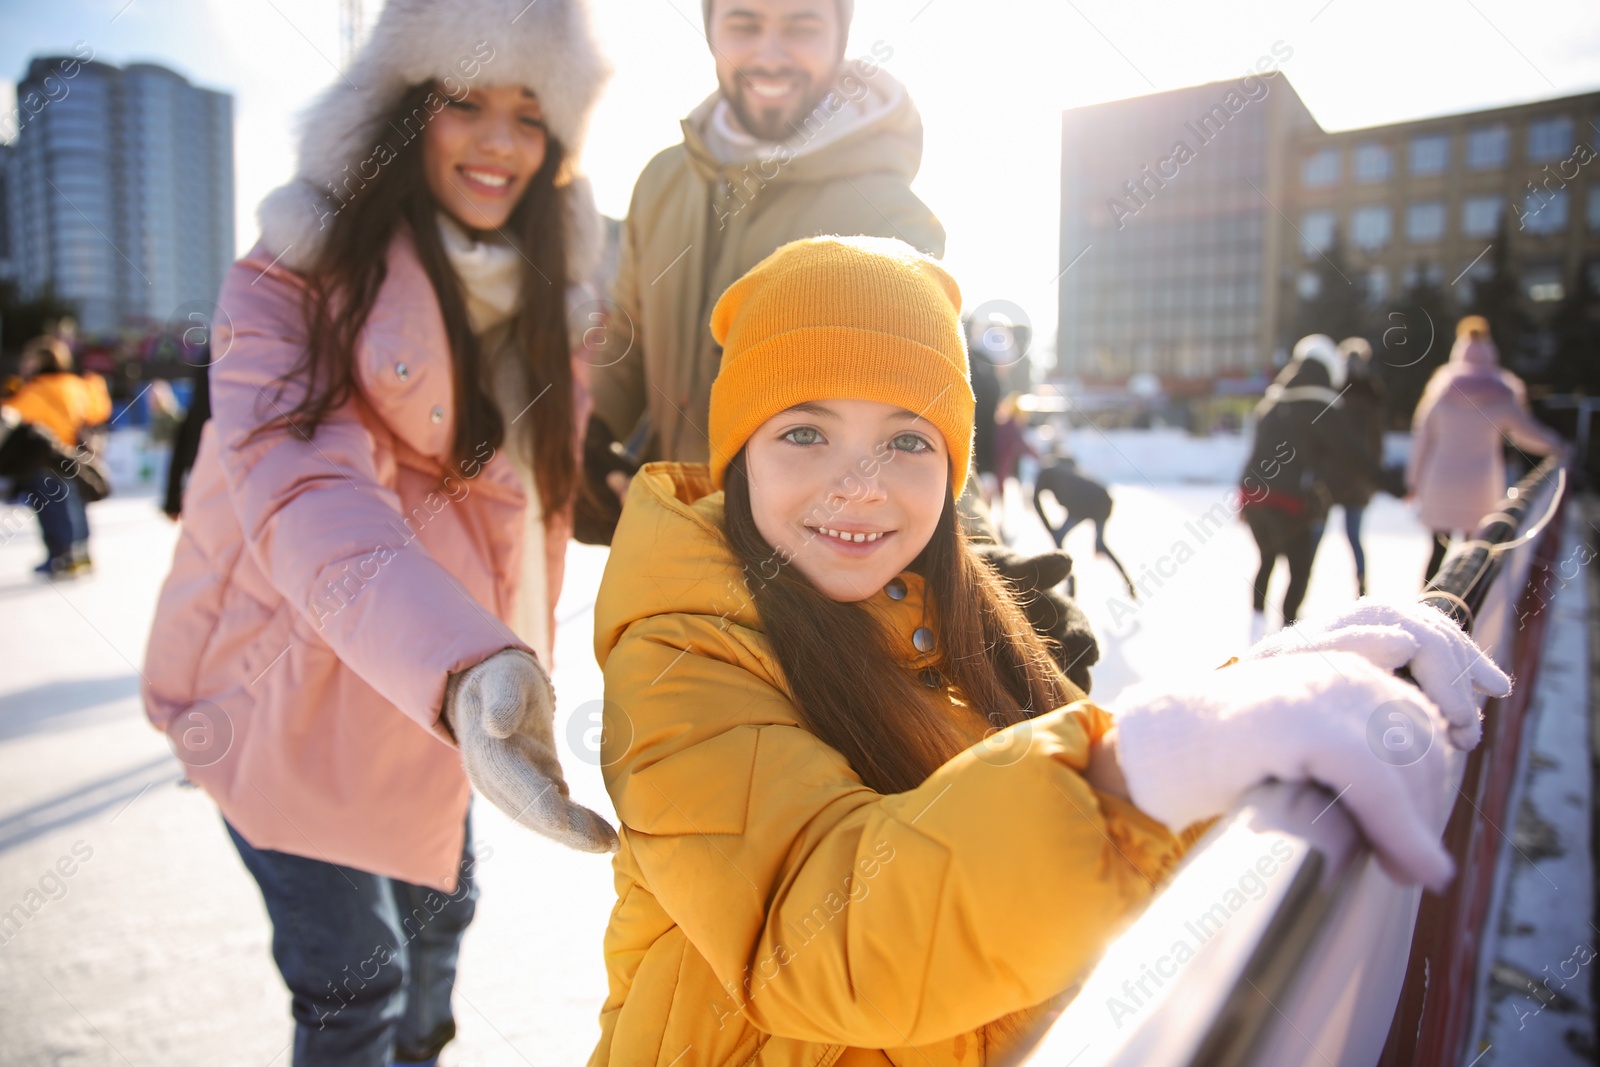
<point x="863" y="813"/>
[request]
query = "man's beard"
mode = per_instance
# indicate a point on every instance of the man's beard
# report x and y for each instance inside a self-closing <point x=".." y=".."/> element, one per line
<point x="768" y="122"/>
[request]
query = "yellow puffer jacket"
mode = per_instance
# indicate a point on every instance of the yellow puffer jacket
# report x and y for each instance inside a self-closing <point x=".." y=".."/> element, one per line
<point x="64" y="402"/>
<point x="772" y="909"/>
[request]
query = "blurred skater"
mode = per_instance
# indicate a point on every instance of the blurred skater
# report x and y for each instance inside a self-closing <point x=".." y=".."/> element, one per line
<point x="65" y="404"/>
<point x="1471" y="405"/>
<point x="1349" y="486"/>
<point x="1302" y="435"/>
<point x="1085" y="500"/>
<point x="1010" y="445"/>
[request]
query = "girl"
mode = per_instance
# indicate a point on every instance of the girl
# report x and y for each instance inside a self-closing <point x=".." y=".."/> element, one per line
<point x="374" y="527"/>
<point x="863" y="813"/>
<point x="1469" y="410"/>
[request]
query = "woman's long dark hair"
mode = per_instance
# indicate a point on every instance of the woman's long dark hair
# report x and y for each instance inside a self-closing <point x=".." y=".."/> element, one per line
<point x="833" y="654"/>
<point x="343" y="285"/>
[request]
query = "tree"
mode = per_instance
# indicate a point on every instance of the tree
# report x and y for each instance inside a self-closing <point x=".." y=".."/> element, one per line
<point x="23" y="320"/>
<point x="1418" y="330"/>
<point x="1577" y="337"/>
<point x="1337" y="307"/>
<point x="1498" y="298"/>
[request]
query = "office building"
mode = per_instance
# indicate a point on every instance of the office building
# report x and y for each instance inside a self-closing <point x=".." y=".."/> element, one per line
<point x="1196" y="221"/>
<point x="119" y="190"/>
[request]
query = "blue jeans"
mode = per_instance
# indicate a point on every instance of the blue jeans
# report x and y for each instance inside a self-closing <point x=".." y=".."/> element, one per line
<point x="369" y="961"/>
<point x="1352" y="530"/>
<point x="63" y="520"/>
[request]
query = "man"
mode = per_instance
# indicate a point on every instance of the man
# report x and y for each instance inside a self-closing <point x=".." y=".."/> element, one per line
<point x="796" y="141"/>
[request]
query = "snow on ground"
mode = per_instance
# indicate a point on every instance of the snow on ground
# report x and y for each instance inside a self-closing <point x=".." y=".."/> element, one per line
<point x="1541" y="1007"/>
<point x="154" y="949"/>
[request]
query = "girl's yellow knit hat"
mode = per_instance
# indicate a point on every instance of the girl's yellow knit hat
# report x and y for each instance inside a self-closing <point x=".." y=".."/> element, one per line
<point x="858" y="318"/>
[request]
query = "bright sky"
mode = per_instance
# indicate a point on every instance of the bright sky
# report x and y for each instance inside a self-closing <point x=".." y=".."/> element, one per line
<point x="990" y="77"/>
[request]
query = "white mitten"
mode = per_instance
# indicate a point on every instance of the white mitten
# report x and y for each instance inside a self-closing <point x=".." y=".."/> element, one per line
<point x="1446" y="663"/>
<point x="1191" y="751"/>
<point x="503" y="711"/>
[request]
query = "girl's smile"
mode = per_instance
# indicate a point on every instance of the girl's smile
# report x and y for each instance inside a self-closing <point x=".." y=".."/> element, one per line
<point x="847" y="491"/>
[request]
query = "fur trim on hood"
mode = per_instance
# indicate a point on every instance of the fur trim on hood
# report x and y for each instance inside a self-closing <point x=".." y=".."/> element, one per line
<point x="1319" y="347"/>
<point x="548" y="46"/>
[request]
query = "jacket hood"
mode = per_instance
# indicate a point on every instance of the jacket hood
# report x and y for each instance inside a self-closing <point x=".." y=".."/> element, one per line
<point x="1475" y="352"/>
<point x="866" y="124"/>
<point x="669" y="555"/>
<point x="550" y="47"/>
<point x="1302" y="379"/>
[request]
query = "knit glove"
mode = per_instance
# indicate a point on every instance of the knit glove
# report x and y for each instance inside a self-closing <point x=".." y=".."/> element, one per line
<point x="502" y="712"/>
<point x="1053" y="616"/>
<point x="1191" y="751"/>
<point x="1445" y="662"/>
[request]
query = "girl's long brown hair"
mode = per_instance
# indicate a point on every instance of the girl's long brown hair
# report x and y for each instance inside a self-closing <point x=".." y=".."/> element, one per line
<point x="833" y="654"/>
<point x="343" y="284"/>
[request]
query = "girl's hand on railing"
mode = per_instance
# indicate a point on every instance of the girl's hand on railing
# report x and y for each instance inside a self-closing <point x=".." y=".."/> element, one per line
<point x="502" y="712"/>
<point x="1191" y="751"/>
<point x="1445" y="662"/>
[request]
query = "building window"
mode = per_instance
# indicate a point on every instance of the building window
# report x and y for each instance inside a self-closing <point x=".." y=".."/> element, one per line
<point x="1316" y="231"/>
<point x="1543" y="283"/>
<point x="1544" y="214"/>
<point x="1430" y="154"/>
<point x="1480" y="215"/>
<point x="1370" y="227"/>
<point x="1377" y="283"/>
<point x="1594" y="207"/>
<point x="1309" y="285"/>
<point x="1425" y="222"/>
<point x="1427" y="273"/>
<point x="1372" y="163"/>
<point x="1320" y="168"/>
<point x="1487" y="147"/>
<point x="1549" y="139"/>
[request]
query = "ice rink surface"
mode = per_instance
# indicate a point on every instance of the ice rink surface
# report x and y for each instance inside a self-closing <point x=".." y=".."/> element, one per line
<point x="154" y="951"/>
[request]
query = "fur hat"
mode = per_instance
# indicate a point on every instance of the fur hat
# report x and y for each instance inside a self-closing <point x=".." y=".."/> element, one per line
<point x="1319" y="347"/>
<point x="548" y="46"/>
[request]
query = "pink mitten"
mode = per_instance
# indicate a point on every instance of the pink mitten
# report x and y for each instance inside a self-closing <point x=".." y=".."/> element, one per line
<point x="1190" y="751"/>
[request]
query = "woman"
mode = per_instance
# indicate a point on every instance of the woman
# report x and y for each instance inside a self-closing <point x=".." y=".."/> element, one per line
<point x="374" y="526"/>
<point x="866" y="819"/>
<point x="1470" y="408"/>
<point x="56" y="399"/>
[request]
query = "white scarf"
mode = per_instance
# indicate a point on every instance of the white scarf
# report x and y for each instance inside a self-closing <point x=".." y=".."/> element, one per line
<point x="491" y="276"/>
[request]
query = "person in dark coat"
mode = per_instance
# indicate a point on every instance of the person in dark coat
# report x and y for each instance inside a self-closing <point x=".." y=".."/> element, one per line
<point x="186" y="445"/>
<point x="1084" y="500"/>
<point x="1348" y="486"/>
<point x="1302" y="434"/>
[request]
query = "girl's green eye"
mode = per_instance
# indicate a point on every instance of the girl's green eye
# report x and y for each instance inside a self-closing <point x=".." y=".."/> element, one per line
<point x="910" y="442"/>
<point x="803" y="435"/>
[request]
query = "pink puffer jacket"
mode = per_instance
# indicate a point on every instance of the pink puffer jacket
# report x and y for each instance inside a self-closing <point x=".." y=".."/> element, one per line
<point x="323" y="590"/>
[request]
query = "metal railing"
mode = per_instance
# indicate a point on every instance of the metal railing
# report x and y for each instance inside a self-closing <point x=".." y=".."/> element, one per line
<point x="1278" y="940"/>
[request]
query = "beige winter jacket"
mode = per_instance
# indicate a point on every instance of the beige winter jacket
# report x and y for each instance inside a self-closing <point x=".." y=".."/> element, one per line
<point x="696" y="225"/>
